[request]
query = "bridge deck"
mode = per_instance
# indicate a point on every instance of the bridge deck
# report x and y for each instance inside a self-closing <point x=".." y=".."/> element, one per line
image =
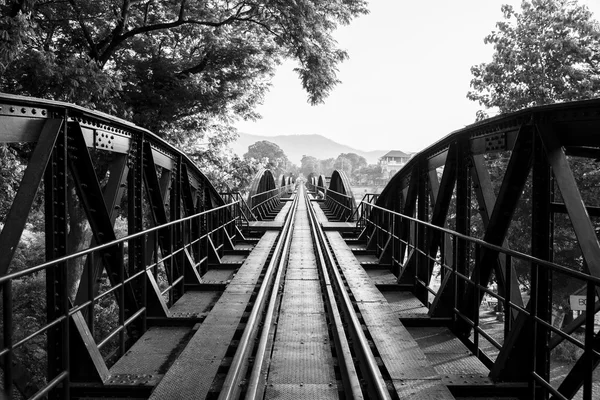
<point x="421" y="362"/>
<point x="302" y="363"/>
<point x="191" y="375"/>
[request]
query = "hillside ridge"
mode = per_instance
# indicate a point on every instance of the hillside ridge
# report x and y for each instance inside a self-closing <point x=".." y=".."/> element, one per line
<point x="296" y="146"/>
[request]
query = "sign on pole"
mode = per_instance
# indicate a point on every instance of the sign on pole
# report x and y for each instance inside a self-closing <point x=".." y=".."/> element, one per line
<point x="578" y="303"/>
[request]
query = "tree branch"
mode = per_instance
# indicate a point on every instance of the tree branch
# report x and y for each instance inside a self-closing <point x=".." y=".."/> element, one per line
<point x="199" y="67"/>
<point x="84" y="29"/>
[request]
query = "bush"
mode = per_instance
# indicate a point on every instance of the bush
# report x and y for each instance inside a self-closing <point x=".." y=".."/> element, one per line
<point x="567" y="351"/>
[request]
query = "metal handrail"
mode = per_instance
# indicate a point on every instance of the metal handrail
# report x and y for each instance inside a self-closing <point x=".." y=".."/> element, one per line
<point x="368" y="198"/>
<point x="117" y="288"/>
<point x="592" y="284"/>
<point x="514" y="253"/>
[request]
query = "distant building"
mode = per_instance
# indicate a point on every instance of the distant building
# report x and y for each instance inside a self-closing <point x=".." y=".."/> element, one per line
<point x="392" y="161"/>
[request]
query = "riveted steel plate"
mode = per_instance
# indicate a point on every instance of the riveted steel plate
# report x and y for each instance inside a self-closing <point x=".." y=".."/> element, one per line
<point x="132" y="380"/>
<point x="265" y="225"/>
<point x="150" y="354"/>
<point x="281" y="215"/>
<point x="365" y="258"/>
<point x="193" y="303"/>
<point x="302" y="264"/>
<point x="302" y="274"/>
<point x="457" y="364"/>
<point x="302" y="286"/>
<point x="393" y="339"/>
<point x="304" y="302"/>
<point x="298" y="327"/>
<point x="380" y="314"/>
<point x="366" y="292"/>
<point x="406" y="304"/>
<point x="302" y="256"/>
<point x="233" y="259"/>
<point x="467" y="380"/>
<point x="240" y="288"/>
<point x="191" y="375"/>
<point x="217" y="275"/>
<point x="232" y="301"/>
<point x="243" y="246"/>
<point x="382" y="277"/>
<point x="401" y="355"/>
<point x="421" y="389"/>
<point x="301" y="362"/>
<point x="437" y="340"/>
<point x="304" y="392"/>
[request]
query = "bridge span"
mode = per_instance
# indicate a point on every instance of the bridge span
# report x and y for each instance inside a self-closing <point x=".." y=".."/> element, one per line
<point x="474" y="274"/>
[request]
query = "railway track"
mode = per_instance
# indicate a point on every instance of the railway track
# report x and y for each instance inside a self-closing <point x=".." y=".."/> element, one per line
<point x="303" y="337"/>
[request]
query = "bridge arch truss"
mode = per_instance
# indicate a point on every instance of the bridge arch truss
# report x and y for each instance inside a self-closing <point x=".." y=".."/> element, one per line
<point x="445" y="225"/>
<point x="95" y="169"/>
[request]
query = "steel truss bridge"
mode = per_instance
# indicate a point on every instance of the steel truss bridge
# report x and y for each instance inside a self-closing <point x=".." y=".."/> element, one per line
<point x="451" y="283"/>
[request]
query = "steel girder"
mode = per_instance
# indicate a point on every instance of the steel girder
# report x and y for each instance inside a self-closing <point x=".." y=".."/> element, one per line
<point x="539" y="141"/>
<point x="67" y="140"/>
<point x="264" y="196"/>
<point x="339" y="195"/>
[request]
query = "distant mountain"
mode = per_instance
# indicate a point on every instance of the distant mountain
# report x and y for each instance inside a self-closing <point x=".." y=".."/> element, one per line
<point x="296" y="146"/>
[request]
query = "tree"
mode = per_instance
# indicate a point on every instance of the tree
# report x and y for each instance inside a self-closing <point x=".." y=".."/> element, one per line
<point x="350" y="163"/>
<point x="309" y="165"/>
<point x="326" y="166"/>
<point x="169" y="63"/>
<point x="269" y="154"/>
<point x="547" y="53"/>
<point x="369" y="174"/>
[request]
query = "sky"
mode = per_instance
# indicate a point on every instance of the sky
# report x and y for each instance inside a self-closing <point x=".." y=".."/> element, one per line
<point x="405" y="83"/>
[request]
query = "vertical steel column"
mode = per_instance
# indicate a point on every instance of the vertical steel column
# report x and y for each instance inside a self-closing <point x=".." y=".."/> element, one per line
<point x="541" y="247"/>
<point x="176" y="237"/>
<point x="135" y="222"/>
<point x="422" y="272"/>
<point x="463" y="217"/>
<point x="57" y="301"/>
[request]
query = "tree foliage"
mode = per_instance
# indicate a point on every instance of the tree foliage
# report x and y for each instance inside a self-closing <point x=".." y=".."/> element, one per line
<point x="549" y="52"/>
<point x="350" y="163"/>
<point x="269" y="155"/>
<point x="159" y="62"/>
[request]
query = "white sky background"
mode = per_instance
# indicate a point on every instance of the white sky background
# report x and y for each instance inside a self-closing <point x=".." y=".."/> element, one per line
<point x="405" y="84"/>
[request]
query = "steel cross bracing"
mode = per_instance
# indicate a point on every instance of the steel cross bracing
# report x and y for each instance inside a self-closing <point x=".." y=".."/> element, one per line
<point x="96" y="170"/>
<point x="443" y="225"/>
<point x="264" y="197"/>
<point x="337" y="197"/>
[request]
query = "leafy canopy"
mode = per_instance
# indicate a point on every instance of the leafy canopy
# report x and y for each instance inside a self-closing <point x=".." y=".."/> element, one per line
<point x="160" y="62"/>
<point x="270" y="155"/>
<point x="549" y="52"/>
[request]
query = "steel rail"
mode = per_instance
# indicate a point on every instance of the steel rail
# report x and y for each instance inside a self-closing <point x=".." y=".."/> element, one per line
<point x="239" y="365"/>
<point x="255" y="388"/>
<point x="371" y="372"/>
<point x="350" y="379"/>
